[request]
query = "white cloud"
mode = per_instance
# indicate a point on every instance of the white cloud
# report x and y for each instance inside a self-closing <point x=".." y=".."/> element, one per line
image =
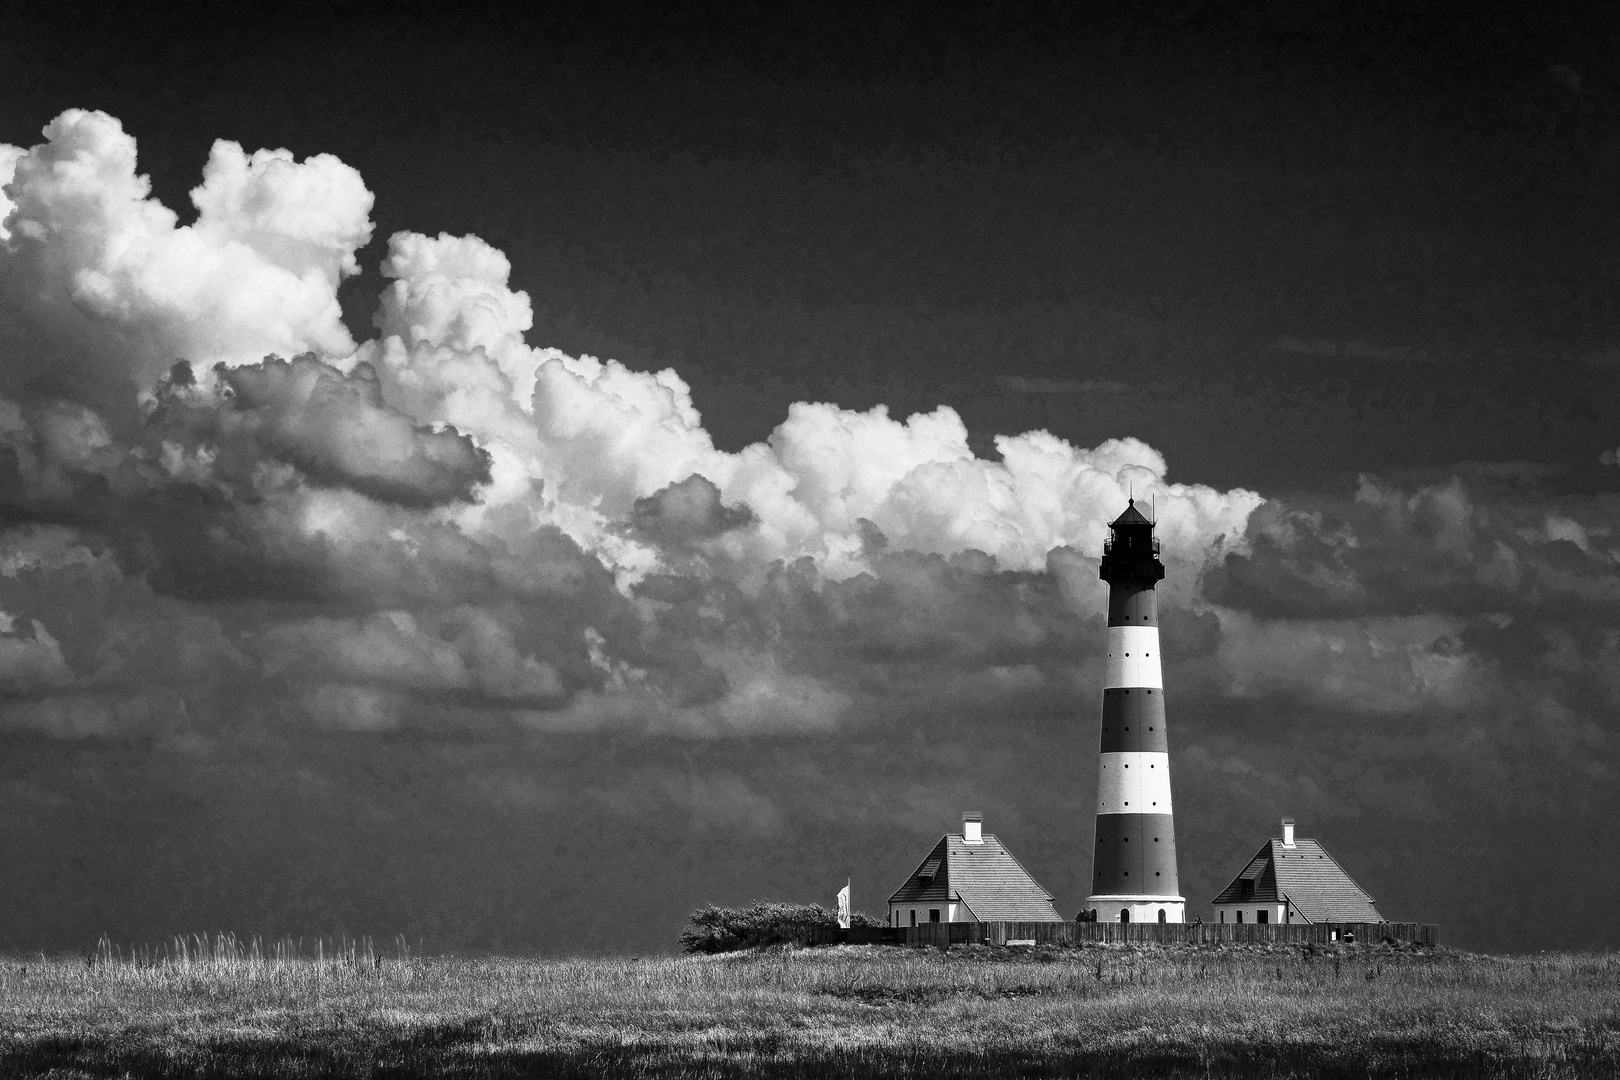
<point x="105" y="269"/>
<point x="595" y="436"/>
<point x="96" y="266"/>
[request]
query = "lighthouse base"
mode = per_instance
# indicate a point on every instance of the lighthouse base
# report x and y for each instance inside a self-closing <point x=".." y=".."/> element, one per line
<point x="1137" y="907"/>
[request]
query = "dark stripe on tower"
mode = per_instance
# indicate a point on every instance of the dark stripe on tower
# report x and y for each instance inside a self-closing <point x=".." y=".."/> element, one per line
<point x="1132" y="603"/>
<point x="1133" y="721"/>
<point x="1136" y="853"/>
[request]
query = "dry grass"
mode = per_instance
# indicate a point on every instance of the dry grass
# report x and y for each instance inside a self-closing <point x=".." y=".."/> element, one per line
<point x="218" y="1009"/>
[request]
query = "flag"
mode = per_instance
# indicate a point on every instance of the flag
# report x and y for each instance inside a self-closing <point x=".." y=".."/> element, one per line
<point x="843" y="906"/>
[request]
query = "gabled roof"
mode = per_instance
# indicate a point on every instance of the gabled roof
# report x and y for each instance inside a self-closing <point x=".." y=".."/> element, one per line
<point x="1131" y="516"/>
<point x="1308" y="878"/>
<point x="984" y="876"/>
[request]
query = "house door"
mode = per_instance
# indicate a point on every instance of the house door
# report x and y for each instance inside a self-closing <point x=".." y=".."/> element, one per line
<point x="1124" y="914"/>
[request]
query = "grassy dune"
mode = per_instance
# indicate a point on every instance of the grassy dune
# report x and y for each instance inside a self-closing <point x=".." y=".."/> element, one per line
<point x="864" y="1011"/>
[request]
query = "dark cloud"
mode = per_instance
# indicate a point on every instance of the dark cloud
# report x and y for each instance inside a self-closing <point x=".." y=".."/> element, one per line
<point x="686" y="512"/>
<point x="1419" y="650"/>
<point x="334" y="428"/>
<point x="1455" y="546"/>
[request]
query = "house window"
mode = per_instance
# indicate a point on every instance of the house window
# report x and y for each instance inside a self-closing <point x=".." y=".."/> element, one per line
<point x="1125" y="914"/>
<point x="1223" y="915"/>
<point x="933" y="914"/>
<point x="1240" y="916"/>
<point x="1260" y="916"/>
<point x="913" y="916"/>
<point x="1161" y="915"/>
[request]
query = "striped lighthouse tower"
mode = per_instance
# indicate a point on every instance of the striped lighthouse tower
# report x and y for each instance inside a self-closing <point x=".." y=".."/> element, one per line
<point x="1134" y="859"/>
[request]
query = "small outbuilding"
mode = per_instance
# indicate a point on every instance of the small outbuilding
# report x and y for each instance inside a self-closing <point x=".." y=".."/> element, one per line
<point x="968" y="878"/>
<point x="1294" y="881"/>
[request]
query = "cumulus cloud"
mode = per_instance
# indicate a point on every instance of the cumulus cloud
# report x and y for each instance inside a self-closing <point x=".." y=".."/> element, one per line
<point x="336" y="430"/>
<point x="113" y="281"/>
<point x="599" y="436"/>
<point x="446" y="524"/>
<point x="685" y="512"/>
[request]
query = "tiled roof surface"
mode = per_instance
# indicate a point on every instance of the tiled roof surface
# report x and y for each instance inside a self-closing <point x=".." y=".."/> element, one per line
<point x="986" y="878"/>
<point x="1254" y="872"/>
<point x="917" y="887"/>
<point x="1308" y="876"/>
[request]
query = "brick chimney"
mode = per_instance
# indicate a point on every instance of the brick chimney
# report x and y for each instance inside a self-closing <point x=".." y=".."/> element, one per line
<point x="1288" y="832"/>
<point x="972" y="823"/>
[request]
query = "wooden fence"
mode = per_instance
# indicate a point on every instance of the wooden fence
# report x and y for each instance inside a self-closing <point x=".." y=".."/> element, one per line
<point x="943" y="935"/>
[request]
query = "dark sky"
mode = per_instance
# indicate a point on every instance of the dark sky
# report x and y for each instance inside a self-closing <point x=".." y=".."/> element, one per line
<point x="289" y="655"/>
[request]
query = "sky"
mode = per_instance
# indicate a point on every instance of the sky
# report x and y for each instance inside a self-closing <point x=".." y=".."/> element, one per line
<point x="508" y="478"/>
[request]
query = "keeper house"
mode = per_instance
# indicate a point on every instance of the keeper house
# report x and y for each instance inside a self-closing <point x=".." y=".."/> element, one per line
<point x="970" y="878"/>
<point x="1294" y="881"/>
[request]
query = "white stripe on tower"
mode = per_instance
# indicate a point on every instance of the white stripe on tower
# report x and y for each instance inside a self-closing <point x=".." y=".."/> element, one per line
<point x="1134" y="783"/>
<point x="1133" y="657"/>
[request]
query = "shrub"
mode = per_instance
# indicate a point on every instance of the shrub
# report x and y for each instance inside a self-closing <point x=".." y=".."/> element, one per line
<point x="716" y="929"/>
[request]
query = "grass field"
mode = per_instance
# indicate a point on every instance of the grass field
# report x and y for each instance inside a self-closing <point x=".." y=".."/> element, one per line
<point x="218" y="1009"/>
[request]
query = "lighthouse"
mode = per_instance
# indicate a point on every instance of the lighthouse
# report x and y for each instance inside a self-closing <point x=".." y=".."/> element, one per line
<point x="1134" y="858"/>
